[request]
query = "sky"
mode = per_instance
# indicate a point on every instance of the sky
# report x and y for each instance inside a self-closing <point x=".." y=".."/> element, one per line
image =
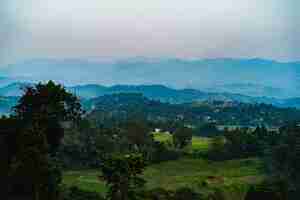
<point x="98" y="29"/>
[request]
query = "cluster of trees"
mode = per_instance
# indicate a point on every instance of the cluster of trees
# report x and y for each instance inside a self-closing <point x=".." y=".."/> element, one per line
<point x="120" y="107"/>
<point x="283" y="162"/>
<point x="279" y="151"/>
<point x="86" y="140"/>
<point x="31" y="137"/>
<point x="243" y="143"/>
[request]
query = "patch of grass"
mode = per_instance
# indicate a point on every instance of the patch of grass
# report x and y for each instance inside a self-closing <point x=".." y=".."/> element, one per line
<point x="85" y="179"/>
<point x="163" y="137"/>
<point x="198" y="143"/>
<point x="193" y="173"/>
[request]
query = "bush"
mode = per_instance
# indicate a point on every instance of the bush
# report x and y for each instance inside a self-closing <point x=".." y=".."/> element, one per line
<point x="262" y="192"/>
<point x="74" y="193"/>
<point x="163" y="153"/>
<point x="179" y="194"/>
<point x="186" y="193"/>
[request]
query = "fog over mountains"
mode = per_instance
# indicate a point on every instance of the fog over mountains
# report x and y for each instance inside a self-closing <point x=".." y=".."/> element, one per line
<point x="168" y="80"/>
<point x="252" y="77"/>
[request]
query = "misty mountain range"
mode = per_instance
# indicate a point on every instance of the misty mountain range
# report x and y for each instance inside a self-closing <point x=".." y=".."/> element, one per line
<point x="89" y="93"/>
<point x="251" y="77"/>
<point x="243" y="80"/>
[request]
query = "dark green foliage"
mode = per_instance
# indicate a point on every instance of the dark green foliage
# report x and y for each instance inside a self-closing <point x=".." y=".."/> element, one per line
<point x="7" y="144"/>
<point x="207" y="130"/>
<point x="242" y="143"/>
<point x="32" y="135"/>
<point x="48" y="104"/>
<point x="163" y="153"/>
<point x="157" y="194"/>
<point x="179" y="194"/>
<point x="88" y="140"/>
<point x="266" y="190"/>
<point x="32" y="166"/>
<point x="283" y="161"/>
<point x="137" y="133"/>
<point x="122" y="175"/>
<point x="121" y="107"/>
<point x="83" y="144"/>
<point x="182" y="137"/>
<point x="186" y="193"/>
<point x="75" y="193"/>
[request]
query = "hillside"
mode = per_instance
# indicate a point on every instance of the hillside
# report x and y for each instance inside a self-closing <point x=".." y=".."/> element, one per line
<point x="175" y="96"/>
<point x="250" y="89"/>
<point x="89" y="94"/>
<point x="123" y="106"/>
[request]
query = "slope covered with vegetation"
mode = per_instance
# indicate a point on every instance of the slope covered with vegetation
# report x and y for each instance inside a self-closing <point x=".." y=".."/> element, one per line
<point x="124" y="106"/>
<point x="53" y="150"/>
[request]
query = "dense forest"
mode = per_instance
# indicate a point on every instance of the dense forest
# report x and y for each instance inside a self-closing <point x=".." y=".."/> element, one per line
<point x="125" y="105"/>
<point x="127" y="139"/>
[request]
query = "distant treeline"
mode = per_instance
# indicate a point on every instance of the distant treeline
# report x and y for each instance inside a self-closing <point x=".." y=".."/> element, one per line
<point x="118" y="107"/>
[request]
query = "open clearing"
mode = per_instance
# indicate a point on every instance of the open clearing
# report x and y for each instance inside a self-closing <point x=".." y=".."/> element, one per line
<point x="187" y="172"/>
<point x="198" y="143"/>
<point x="199" y="174"/>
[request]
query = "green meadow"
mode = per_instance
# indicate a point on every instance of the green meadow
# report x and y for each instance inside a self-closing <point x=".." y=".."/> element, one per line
<point x="199" y="174"/>
<point x="197" y="144"/>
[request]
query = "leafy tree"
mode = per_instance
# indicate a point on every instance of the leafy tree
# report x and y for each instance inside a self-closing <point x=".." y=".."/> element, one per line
<point x="122" y="175"/>
<point x="85" y="141"/>
<point x="31" y="165"/>
<point x="241" y="143"/>
<point x="182" y="137"/>
<point x="37" y="131"/>
<point x="48" y="105"/>
<point x="137" y="133"/>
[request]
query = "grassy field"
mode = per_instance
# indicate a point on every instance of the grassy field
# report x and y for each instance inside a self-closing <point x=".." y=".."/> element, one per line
<point x="193" y="173"/>
<point x="198" y="143"/>
<point x="199" y="174"/>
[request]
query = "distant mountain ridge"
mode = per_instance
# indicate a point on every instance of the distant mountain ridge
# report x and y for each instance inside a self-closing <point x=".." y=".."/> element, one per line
<point x="271" y="78"/>
<point x="176" y="96"/>
<point x="159" y="92"/>
<point x="6" y="104"/>
<point x="250" y="89"/>
<point x="13" y="89"/>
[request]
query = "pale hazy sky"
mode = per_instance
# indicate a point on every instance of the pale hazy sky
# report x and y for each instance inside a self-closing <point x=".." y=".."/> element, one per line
<point x="33" y="29"/>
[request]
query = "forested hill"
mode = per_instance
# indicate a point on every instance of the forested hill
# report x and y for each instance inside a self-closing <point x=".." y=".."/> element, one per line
<point x="125" y="105"/>
<point x="161" y="93"/>
<point x="166" y="94"/>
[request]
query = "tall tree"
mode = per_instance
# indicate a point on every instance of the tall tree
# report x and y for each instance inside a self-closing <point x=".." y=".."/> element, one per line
<point x="182" y="137"/>
<point x="30" y="165"/>
<point x="39" y="117"/>
<point x="48" y="105"/>
<point x="122" y="175"/>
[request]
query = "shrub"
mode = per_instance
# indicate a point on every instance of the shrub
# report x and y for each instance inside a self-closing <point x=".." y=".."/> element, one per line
<point x="74" y="193"/>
